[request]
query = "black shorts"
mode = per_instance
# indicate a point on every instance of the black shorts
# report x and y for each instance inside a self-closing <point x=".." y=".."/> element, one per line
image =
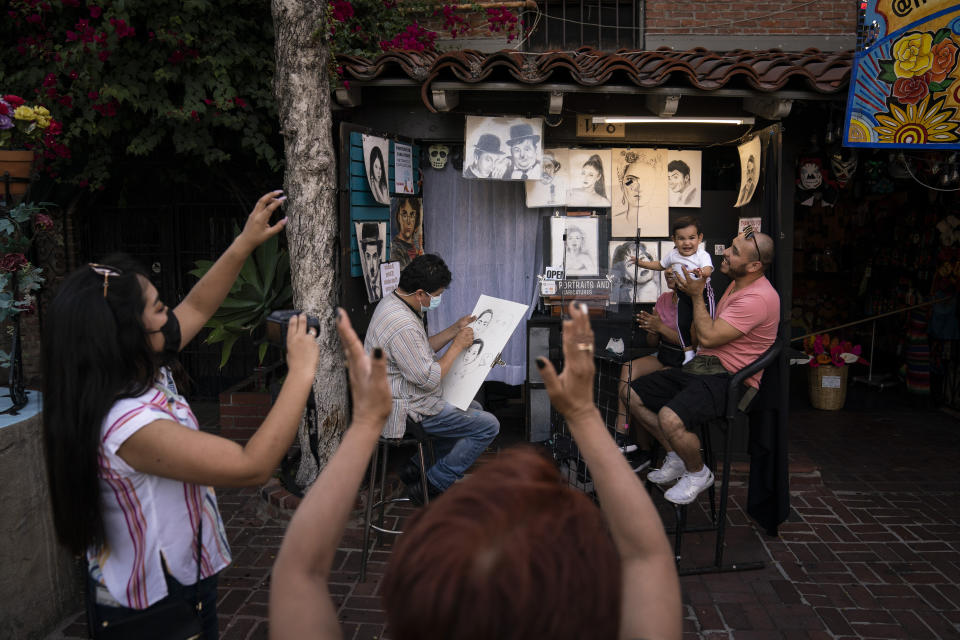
<point x="696" y="398"/>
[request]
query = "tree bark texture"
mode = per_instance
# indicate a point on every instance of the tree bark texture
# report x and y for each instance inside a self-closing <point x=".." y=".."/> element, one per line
<point x="302" y="91"/>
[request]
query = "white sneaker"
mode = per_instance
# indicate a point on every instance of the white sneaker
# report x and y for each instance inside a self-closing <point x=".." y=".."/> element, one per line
<point x="689" y="487"/>
<point x="672" y="469"/>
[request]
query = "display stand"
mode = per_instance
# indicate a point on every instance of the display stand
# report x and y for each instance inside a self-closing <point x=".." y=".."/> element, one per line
<point x="18" y="395"/>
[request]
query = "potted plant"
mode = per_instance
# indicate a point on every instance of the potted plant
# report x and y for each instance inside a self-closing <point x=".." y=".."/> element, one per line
<point x="23" y="130"/>
<point x="828" y="360"/>
<point x="262" y="286"/>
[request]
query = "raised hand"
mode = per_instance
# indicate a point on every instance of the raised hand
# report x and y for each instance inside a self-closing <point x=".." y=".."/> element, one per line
<point x="257" y="228"/>
<point x="571" y="392"/>
<point x="303" y="352"/>
<point x="369" y="389"/>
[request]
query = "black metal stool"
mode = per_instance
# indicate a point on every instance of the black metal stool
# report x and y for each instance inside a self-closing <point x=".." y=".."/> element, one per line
<point x="737" y="407"/>
<point x="415" y="435"/>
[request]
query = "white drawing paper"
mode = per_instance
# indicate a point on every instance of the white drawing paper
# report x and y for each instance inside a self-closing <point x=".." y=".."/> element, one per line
<point x="503" y="148"/>
<point x="583" y="245"/>
<point x="402" y="168"/>
<point x="371" y="241"/>
<point x="632" y="283"/>
<point x="389" y="276"/>
<point x="376" y="153"/>
<point x="683" y="178"/>
<point x="589" y="178"/>
<point x="496" y="321"/>
<point x="551" y="189"/>
<point x="749" y="170"/>
<point x="640" y="193"/>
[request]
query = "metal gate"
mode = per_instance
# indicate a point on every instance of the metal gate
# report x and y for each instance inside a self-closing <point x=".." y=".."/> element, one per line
<point x="166" y="240"/>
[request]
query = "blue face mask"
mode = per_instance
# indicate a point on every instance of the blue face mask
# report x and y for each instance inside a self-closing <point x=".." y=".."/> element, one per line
<point x="434" y="302"/>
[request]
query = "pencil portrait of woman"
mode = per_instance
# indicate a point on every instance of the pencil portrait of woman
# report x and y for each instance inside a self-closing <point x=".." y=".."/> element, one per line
<point x="589" y="186"/>
<point x="377" y="177"/>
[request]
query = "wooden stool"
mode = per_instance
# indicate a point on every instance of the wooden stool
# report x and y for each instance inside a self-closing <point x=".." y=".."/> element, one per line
<point x="415" y="435"/>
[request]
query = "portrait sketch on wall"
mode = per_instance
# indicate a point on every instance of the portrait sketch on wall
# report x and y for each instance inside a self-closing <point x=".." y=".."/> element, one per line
<point x="588" y="178"/>
<point x="406" y="215"/>
<point x="503" y="148"/>
<point x="583" y="245"/>
<point x="371" y="242"/>
<point x="551" y="189"/>
<point x="496" y="321"/>
<point x="640" y="193"/>
<point x="749" y="170"/>
<point x="632" y="283"/>
<point x="376" y="153"/>
<point x="683" y="178"/>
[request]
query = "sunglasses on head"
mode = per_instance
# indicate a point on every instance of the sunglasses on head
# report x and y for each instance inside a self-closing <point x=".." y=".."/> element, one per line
<point x="750" y="235"/>
<point x="106" y="272"/>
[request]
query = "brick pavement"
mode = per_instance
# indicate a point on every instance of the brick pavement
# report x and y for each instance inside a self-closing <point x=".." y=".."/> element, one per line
<point x="871" y="550"/>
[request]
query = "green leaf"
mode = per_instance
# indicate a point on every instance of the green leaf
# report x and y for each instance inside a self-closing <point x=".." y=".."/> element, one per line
<point x="941" y="35"/>
<point x="942" y="85"/>
<point x="887" y="73"/>
<point x="227" y="348"/>
<point x="262" y="351"/>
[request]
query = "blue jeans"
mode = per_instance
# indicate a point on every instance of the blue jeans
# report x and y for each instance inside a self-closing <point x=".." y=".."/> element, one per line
<point x="459" y="439"/>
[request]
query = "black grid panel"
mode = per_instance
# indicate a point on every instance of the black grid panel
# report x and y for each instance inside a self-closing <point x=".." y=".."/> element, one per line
<point x="167" y="240"/>
<point x="604" y="25"/>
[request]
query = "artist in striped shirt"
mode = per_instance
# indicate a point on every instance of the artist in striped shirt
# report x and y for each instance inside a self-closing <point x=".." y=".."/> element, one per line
<point x="415" y="371"/>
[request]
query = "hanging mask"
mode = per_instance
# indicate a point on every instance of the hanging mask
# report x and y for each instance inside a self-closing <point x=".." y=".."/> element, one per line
<point x="810" y="175"/>
<point x="438" y="155"/>
<point x="844" y="165"/>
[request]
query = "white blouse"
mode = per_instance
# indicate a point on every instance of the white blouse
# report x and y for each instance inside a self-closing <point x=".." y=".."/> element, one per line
<point x="146" y="516"/>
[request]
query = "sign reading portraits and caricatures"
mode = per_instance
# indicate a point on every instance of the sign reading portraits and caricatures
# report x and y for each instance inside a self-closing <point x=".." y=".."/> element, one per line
<point x="905" y="85"/>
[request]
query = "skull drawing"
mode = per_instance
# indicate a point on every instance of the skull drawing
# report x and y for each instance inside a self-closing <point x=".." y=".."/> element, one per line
<point x="438" y="155"/>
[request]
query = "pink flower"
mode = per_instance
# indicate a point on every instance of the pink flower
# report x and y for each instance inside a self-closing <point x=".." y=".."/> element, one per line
<point x="67" y="101"/>
<point x="11" y="262"/>
<point x="42" y="222"/>
<point x="95" y="12"/>
<point x="194" y="115"/>
<point x="104" y="55"/>
<point x="239" y="102"/>
<point x="93" y="95"/>
<point x="342" y="10"/>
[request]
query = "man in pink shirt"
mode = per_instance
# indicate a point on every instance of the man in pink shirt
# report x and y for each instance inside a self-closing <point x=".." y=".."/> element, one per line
<point x="666" y="402"/>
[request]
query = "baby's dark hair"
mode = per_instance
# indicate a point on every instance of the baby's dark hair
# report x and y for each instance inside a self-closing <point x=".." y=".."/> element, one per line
<point x="683" y="222"/>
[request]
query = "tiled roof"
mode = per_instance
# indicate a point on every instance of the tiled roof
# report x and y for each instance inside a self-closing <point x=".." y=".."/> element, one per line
<point x="762" y="71"/>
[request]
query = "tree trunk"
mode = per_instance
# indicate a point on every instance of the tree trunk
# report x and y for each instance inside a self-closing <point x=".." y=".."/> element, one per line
<point x="303" y="98"/>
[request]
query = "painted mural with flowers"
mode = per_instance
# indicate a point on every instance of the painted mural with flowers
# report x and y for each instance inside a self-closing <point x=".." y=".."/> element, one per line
<point x="905" y="91"/>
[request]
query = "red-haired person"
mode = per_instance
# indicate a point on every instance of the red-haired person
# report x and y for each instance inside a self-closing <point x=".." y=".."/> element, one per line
<point x="510" y="552"/>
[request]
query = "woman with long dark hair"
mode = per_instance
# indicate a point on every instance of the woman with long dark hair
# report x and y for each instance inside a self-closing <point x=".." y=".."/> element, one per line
<point x="591" y="190"/>
<point x="378" y="177"/>
<point x="131" y="474"/>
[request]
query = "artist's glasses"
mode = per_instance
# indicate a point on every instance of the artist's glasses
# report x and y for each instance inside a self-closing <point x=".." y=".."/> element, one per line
<point x="750" y="235"/>
<point x="106" y="272"/>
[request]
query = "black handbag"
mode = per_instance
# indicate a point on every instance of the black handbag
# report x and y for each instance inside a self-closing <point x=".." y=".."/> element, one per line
<point x="171" y="619"/>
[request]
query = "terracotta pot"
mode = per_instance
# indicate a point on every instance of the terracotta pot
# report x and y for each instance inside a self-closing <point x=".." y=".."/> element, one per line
<point x="19" y="164"/>
<point x="828" y="387"/>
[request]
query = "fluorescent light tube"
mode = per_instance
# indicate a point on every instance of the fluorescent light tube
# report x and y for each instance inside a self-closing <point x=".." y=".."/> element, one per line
<point x="673" y="120"/>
